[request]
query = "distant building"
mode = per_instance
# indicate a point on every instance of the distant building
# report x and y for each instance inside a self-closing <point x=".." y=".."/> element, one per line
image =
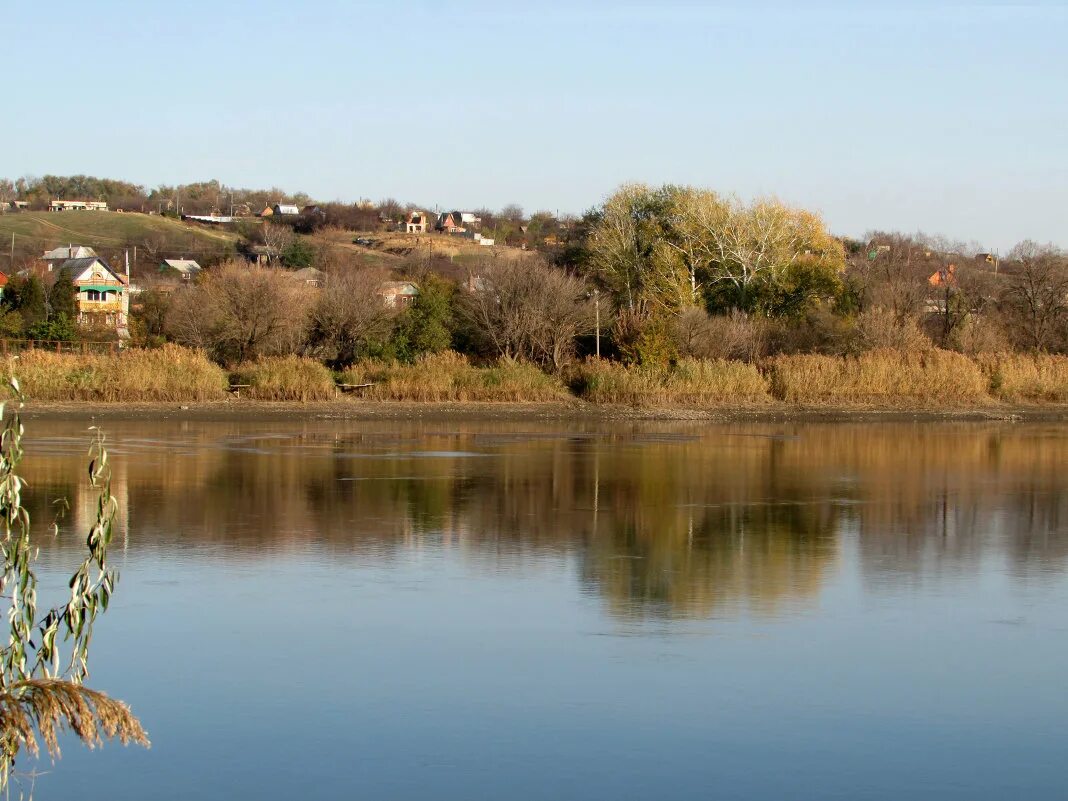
<point x="56" y="257"/>
<point x="418" y="223"/>
<point x="284" y="209"/>
<point x="103" y="294"/>
<point x="457" y="222"/>
<point x="398" y="294"/>
<point x="78" y="205"/>
<point x="187" y="269"/>
<point x="946" y="276"/>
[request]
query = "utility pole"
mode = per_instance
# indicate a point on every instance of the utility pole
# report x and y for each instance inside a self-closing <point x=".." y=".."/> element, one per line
<point x="135" y="258"/>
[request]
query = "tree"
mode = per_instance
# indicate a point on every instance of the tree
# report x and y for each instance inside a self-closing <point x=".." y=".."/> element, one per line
<point x="298" y="254"/>
<point x="1037" y="295"/>
<point x="513" y="212"/>
<point x="526" y="309"/>
<point x="42" y="691"/>
<point x="60" y="328"/>
<point x="27" y="297"/>
<point x="277" y="239"/>
<point x="750" y="247"/>
<point x="62" y="297"/>
<point x="349" y="318"/>
<point x="426" y="327"/>
<point x="239" y="312"/>
<point x="627" y="251"/>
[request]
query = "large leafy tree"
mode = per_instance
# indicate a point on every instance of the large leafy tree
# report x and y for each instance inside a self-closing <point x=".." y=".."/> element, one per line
<point x="628" y="251"/>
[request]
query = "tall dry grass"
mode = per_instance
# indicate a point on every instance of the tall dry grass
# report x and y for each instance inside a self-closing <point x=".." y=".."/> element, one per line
<point x="691" y="382"/>
<point x="285" y="378"/>
<point x="1027" y="377"/>
<point x="170" y="373"/>
<point x="879" y="377"/>
<point x="449" y="376"/>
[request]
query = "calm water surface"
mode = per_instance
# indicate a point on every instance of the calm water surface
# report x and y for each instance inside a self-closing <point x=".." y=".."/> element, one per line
<point x="489" y="610"/>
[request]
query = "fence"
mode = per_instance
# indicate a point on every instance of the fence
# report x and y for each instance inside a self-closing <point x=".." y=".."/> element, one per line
<point x="19" y="345"/>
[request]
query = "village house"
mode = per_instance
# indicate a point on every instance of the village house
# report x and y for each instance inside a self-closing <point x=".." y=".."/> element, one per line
<point x="285" y="210"/>
<point x="418" y="223"/>
<point x="78" y="205"/>
<point x="103" y="295"/>
<point x="398" y="294"/>
<point x="56" y="257"/>
<point x="187" y="269"/>
<point x="457" y="222"/>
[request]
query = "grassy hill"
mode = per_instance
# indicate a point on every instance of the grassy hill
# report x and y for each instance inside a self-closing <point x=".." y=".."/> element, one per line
<point x="110" y="233"/>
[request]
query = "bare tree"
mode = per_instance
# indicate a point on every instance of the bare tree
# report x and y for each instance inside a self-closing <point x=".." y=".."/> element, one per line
<point x="276" y="238"/>
<point x="240" y="312"/>
<point x="526" y="309"/>
<point x="513" y="212"/>
<point x="349" y="316"/>
<point x="893" y="273"/>
<point x="1037" y="295"/>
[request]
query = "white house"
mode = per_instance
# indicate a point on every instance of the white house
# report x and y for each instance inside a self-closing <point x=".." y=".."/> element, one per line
<point x="418" y="223"/>
<point x="78" y="205"/>
<point x="283" y="208"/>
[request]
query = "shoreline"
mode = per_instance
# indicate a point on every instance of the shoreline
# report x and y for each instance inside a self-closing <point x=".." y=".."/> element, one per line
<point x="230" y="410"/>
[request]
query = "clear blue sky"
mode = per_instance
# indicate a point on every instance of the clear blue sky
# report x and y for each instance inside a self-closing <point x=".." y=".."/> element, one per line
<point x="946" y="118"/>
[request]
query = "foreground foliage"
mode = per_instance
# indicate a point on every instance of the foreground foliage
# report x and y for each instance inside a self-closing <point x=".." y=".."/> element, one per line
<point x="41" y="690"/>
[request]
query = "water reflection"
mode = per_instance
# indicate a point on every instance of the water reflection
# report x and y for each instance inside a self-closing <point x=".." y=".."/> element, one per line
<point x="661" y="521"/>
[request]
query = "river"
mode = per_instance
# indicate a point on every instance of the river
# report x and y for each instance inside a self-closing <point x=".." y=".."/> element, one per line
<point x="496" y="610"/>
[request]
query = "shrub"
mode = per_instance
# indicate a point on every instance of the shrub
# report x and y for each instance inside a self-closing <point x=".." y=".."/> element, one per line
<point x="880" y="329"/>
<point x="724" y="336"/>
<point x="170" y="373"/>
<point x="691" y="382"/>
<point x="885" y="376"/>
<point x="1026" y="377"/>
<point x="286" y="378"/>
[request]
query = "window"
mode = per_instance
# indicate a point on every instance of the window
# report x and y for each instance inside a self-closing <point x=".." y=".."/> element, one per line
<point x="93" y="294"/>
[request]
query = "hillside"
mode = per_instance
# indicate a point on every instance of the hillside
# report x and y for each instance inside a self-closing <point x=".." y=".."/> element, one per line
<point x="110" y="233"/>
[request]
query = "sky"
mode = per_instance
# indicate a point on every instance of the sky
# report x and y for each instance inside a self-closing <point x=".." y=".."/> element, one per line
<point x="946" y="118"/>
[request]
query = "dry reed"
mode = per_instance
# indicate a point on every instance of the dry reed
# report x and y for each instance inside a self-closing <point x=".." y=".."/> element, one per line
<point x="50" y="706"/>
<point x="449" y="377"/>
<point x="170" y="373"/>
<point x="286" y="378"/>
<point x="879" y="377"/>
<point x="1035" y="378"/>
<point x="691" y="382"/>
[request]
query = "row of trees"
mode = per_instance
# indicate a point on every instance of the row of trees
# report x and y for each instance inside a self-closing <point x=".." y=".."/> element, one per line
<point x="29" y="309"/>
<point x="670" y="272"/>
<point x="692" y="271"/>
<point x="515" y="309"/>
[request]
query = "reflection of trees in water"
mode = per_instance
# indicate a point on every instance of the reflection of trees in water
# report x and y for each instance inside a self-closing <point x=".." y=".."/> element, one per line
<point x="757" y="556"/>
<point x="675" y="520"/>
